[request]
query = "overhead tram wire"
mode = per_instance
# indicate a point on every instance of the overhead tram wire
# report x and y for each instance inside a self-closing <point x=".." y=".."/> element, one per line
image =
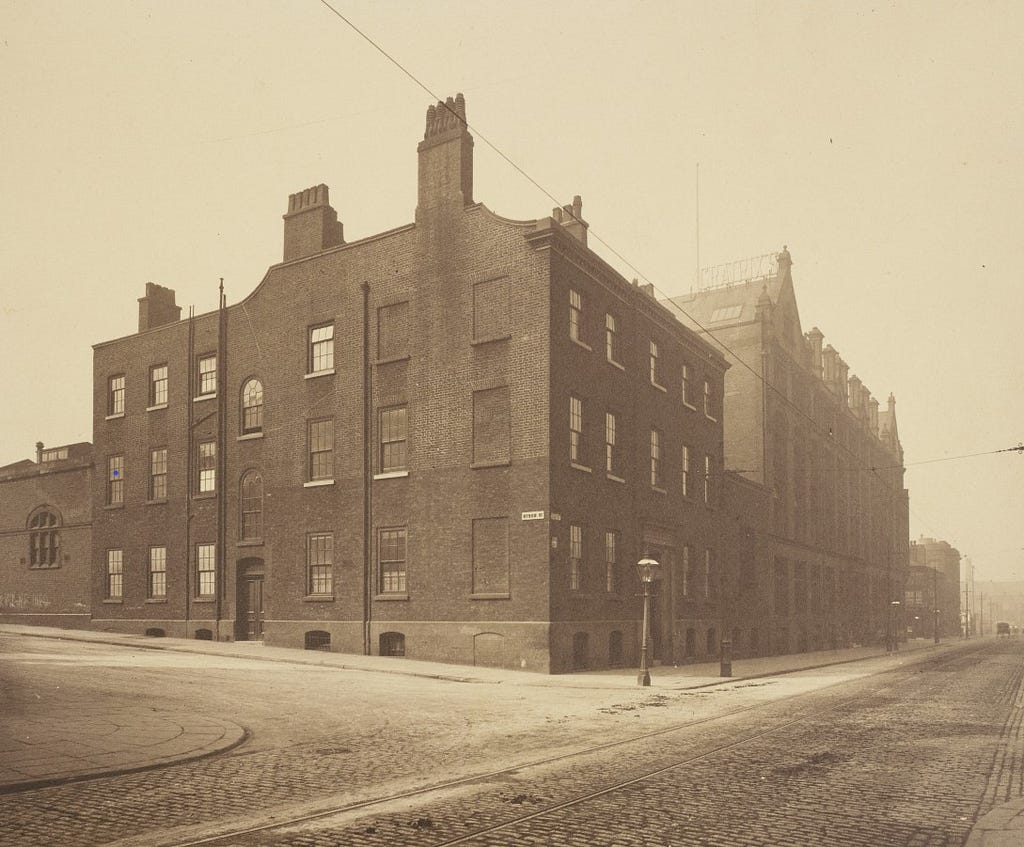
<point x="593" y="234"/>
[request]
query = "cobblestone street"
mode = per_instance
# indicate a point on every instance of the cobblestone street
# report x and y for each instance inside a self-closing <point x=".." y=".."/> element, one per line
<point x="909" y="758"/>
<point x="901" y="752"/>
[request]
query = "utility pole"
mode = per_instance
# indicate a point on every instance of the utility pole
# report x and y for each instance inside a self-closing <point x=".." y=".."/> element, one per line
<point x="966" y="611"/>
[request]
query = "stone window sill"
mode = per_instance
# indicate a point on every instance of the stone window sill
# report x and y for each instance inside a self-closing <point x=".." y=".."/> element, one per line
<point x="391" y="475"/>
<point x="202" y="397"/>
<point x="582" y="344"/>
<point x="690" y="406"/>
<point x="614" y="478"/>
<point x="504" y="463"/>
<point x="318" y="598"/>
<point x="317" y="483"/>
<point x="249" y="436"/>
<point x="114" y="506"/>
<point x="114" y="417"/>
<point x="495" y="596"/>
<point x="658" y="489"/>
<point x="156" y="600"/>
<point x="477" y="342"/>
<point x="250" y="542"/>
<point x="579" y="467"/>
<point x="659" y="387"/>
<point x="615" y="364"/>
<point x="390" y="359"/>
<point x="156" y="408"/>
<point x="315" y="374"/>
<point x="388" y="597"/>
<point x="113" y="601"/>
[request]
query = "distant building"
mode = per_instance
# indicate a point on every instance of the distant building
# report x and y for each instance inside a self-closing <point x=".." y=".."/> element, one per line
<point x="449" y="441"/>
<point x="933" y="582"/>
<point x="831" y="534"/>
<point x="46" y="537"/>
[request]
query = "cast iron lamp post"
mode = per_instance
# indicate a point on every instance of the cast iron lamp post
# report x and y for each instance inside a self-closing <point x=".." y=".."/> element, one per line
<point x="895" y="606"/>
<point x="648" y="570"/>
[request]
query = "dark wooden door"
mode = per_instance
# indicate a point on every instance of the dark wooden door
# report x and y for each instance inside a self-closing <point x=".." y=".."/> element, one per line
<point x="254" y="609"/>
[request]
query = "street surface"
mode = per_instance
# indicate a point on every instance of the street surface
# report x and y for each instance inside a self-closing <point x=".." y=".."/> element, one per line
<point x="907" y="750"/>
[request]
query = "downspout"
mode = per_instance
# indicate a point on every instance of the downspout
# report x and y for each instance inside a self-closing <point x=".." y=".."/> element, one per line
<point x="367" y="472"/>
<point x="641" y="548"/>
<point x="189" y="479"/>
<point x="764" y="411"/>
<point x="221" y="487"/>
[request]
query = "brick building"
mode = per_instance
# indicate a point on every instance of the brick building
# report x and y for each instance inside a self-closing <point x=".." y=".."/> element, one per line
<point x="830" y="536"/>
<point x="46" y="537"/>
<point x="451" y="441"/>
<point x="933" y="582"/>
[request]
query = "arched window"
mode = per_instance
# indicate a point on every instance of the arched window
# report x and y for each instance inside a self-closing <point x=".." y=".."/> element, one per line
<point x="252" y="505"/>
<point x="44" y="539"/>
<point x="580" y="651"/>
<point x="691" y="643"/>
<point x="615" y="649"/>
<point x="392" y="644"/>
<point x="252" y="406"/>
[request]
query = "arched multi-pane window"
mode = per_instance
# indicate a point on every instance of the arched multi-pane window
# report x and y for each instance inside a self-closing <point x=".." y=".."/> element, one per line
<point x="252" y="505"/>
<point x="44" y="539"/>
<point x="252" y="406"/>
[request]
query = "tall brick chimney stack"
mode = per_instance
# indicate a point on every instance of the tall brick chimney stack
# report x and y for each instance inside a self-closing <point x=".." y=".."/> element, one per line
<point x="854" y="396"/>
<point x="571" y="218"/>
<point x="816" y="337"/>
<point x="445" y="158"/>
<point x="157" y="307"/>
<point x="311" y="225"/>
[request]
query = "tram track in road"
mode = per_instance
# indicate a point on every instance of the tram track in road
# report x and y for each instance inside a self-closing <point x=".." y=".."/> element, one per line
<point x="348" y="814"/>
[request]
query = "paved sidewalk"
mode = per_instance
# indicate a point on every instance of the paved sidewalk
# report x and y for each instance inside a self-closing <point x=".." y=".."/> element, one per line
<point x="1002" y="827"/>
<point x="33" y="752"/>
<point x="663" y="676"/>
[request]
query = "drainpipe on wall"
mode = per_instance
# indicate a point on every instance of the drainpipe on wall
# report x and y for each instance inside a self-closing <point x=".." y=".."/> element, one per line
<point x="367" y="472"/>
<point x="221" y="481"/>
<point x="189" y="480"/>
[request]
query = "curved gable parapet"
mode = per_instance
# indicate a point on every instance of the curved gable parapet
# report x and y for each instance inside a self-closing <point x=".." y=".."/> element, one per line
<point x="527" y="225"/>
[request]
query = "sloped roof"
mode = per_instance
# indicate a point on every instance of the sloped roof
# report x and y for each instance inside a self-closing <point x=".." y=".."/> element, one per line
<point x="713" y="307"/>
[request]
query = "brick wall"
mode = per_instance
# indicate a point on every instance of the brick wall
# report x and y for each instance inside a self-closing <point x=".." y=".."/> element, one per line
<point x="52" y="590"/>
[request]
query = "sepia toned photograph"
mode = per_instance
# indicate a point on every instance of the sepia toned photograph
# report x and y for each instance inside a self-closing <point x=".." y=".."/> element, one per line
<point x="592" y="424"/>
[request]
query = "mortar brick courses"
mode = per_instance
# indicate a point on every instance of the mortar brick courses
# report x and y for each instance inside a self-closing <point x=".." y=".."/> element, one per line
<point x="831" y="520"/>
<point x="47" y="584"/>
<point x="488" y="314"/>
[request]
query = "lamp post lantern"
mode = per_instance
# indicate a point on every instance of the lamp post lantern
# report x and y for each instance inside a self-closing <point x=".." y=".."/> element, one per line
<point x="648" y="570"/>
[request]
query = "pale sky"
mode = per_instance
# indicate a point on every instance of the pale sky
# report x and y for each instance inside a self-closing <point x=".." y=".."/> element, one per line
<point x="159" y="141"/>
